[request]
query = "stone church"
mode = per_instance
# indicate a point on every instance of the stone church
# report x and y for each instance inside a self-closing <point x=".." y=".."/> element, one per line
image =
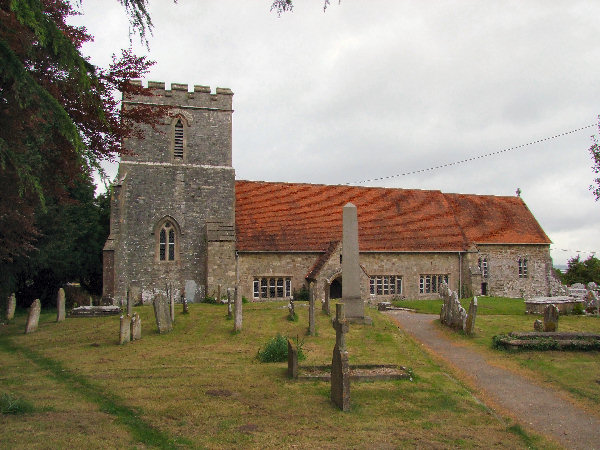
<point x="181" y="222"/>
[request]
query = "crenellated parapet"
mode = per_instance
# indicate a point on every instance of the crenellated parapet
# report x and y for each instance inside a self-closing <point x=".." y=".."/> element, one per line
<point x="180" y="95"/>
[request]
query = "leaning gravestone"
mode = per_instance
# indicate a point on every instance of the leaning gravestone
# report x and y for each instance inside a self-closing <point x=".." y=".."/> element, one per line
<point x="162" y="314"/>
<point x="311" y="309"/>
<point x="125" y="330"/>
<point x="471" y="315"/>
<point x="60" y="305"/>
<point x="237" y="311"/>
<point x="136" y="327"/>
<point x="11" y="306"/>
<point x="355" y="307"/>
<point x="33" y="317"/>
<point x="551" y="318"/>
<point x="340" y="368"/>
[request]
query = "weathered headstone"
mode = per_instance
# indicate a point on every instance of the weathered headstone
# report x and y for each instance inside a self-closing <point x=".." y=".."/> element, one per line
<point x="292" y="360"/>
<point x="471" y="315"/>
<point x="292" y="310"/>
<point x="452" y="313"/>
<point x="60" y="305"/>
<point x="340" y="368"/>
<point x="162" y="314"/>
<point x="172" y="307"/>
<point x="136" y="327"/>
<point x="538" y="325"/>
<point x="135" y="294"/>
<point x="33" y="317"/>
<point x="11" y="306"/>
<point x="125" y="330"/>
<point x="129" y="303"/>
<point x="229" y="309"/>
<point x="237" y="313"/>
<point x="551" y="318"/>
<point x="325" y="305"/>
<point x="355" y="307"/>
<point x="311" y="309"/>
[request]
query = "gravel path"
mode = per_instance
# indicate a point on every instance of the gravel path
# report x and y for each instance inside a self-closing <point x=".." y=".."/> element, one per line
<point x="538" y="407"/>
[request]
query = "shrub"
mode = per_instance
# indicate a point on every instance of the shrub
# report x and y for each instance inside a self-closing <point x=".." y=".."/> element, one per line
<point x="244" y="299"/>
<point x="302" y="294"/>
<point x="10" y="404"/>
<point x="211" y="300"/>
<point x="577" y="309"/>
<point x="276" y="350"/>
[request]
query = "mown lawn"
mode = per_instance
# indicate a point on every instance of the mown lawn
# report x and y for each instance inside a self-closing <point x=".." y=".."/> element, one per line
<point x="485" y="305"/>
<point x="202" y="386"/>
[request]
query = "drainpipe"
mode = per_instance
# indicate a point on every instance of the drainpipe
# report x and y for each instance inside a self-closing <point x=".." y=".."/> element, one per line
<point x="459" y="274"/>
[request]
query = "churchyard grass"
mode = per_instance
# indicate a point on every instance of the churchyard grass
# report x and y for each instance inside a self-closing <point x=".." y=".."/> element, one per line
<point x="202" y="386"/>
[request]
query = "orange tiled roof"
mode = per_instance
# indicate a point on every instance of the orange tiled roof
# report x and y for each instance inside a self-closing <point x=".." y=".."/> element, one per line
<point x="308" y="217"/>
<point x="487" y="219"/>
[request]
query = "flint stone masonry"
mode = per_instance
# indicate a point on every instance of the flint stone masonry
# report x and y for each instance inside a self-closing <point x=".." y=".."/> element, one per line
<point x="33" y="317"/>
<point x="551" y="318"/>
<point x="11" y="306"/>
<point x="162" y="314"/>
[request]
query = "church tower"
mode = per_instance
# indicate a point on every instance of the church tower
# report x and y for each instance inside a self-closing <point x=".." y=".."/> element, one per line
<point x="172" y="224"/>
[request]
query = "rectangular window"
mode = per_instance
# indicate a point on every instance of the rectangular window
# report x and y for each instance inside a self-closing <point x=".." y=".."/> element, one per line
<point x="522" y="267"/>
<point x="272" y="287"/>
<point x="429" y="284"/>
<point x="385" y="285"/>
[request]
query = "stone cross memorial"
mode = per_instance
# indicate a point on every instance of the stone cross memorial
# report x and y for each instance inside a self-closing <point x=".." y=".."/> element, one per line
<point x="60" y="305"/>
<point x="340" y="369"/>
<point x="11" y="306"/>
<point x="355" y="307"/>
<point x="33" y="317"/>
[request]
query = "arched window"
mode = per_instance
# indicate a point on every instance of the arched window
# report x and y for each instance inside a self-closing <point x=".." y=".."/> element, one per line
<point x="167" y="241"/>
<point x="178" y="140"/>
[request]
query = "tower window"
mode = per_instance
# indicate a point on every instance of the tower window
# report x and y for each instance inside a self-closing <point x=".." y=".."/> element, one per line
<point x="178" y="140"/>
<point x="166" y="242"/>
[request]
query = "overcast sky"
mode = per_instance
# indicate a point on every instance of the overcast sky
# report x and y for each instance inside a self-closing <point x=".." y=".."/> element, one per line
<point x="380" y="88"/>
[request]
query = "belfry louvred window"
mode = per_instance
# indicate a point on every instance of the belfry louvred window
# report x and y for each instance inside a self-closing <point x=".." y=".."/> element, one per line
<point x="178" y="140"/>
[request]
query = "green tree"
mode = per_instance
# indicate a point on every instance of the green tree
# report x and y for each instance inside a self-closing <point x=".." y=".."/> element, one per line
<point x="582" y="271"/>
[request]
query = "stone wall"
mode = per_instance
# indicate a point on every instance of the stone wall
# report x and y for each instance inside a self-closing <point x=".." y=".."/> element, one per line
<point x="503" y="270"/>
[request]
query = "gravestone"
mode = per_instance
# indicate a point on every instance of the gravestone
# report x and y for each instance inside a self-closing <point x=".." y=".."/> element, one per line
<point x="135" y="294"/>
<point x="355" y="307"/>
<point x="237" y="314"/>
<point x="60" y="305"/>
<point x="11" y="306"/>
<point x="191" y="288"/>
<point x="136" y="327"/>
<point x="91" y="301"/>
<point x="452" y="313"/>
<point x="129" y="303"/>
<point x="325" y="305"/>
<point x="229" y="310"/>
<point x="292" y="360"/>
<point x="340" y="369"/>
<point x="184" y="302"/>
<point x="33" y="317"/>
<point x="162" y="314"/>
<point x="311" y="309"/>
<point x="538" y="325"/>
<point x="292" y="310"/>
<point x="551" y="318"/>
<point x="471" y="315"/>
<point x="125" y="330"/>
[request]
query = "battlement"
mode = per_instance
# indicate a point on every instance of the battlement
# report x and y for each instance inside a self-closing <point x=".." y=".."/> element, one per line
<point x="180" y="95"/>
